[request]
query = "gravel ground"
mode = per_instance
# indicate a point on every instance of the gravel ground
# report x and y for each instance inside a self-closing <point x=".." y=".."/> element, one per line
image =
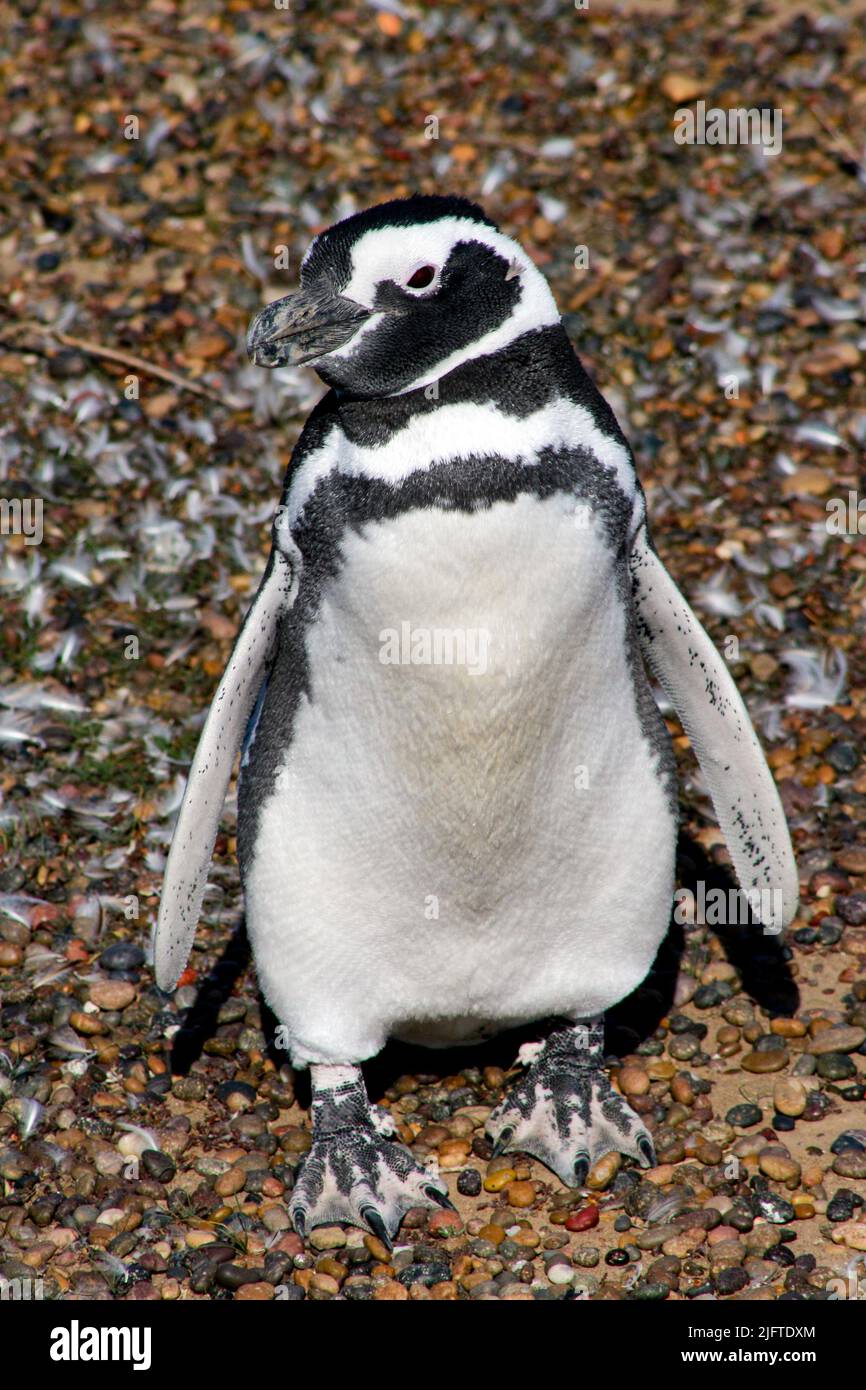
<point x="153" y="165"/>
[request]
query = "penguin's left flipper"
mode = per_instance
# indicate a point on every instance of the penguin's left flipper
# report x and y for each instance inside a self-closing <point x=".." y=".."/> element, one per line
<point x="564" y="1110"/>
<point x="197" y="824"/>
<point x="744" y="795"/>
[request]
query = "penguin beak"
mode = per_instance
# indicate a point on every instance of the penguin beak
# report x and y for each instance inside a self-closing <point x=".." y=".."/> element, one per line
<point x="302" y="327"/>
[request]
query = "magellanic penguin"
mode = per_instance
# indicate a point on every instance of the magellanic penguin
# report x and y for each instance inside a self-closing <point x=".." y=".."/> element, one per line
<point x="457" y="799"/>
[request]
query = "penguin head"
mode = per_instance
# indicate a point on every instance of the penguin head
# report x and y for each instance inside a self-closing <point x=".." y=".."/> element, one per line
<point x="393" y="298"/>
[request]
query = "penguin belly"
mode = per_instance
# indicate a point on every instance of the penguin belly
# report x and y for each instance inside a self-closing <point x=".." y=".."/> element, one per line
<point x="471" y="826"/>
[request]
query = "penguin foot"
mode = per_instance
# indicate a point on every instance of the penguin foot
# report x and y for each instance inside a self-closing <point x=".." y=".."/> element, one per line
<point x="364" y="1180"/>
<point x="565" y="1112"/>
<point x="354" y="1173"/>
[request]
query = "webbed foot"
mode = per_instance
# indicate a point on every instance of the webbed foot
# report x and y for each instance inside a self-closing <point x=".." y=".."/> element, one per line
<point x="353" y="1173"/>
<point x="565" y="1112"/>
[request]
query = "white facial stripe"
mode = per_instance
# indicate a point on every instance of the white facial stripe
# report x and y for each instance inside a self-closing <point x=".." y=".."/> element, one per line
<point x="351" y="347"/>
<point x="392" y="253"/>
<point x="459" y="431"/>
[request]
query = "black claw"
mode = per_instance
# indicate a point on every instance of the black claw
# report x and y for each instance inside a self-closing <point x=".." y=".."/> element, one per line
<point x="581" y="1168"/>
<point x="377" y="1226"/>
<point x="502" y="1142"/>
<point x="300" y="1221"/>
<point x="647" y="1152"/>
<point x="440" y="1198"/>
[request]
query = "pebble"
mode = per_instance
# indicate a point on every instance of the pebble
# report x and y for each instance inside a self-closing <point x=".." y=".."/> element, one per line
<point x="744" y="1116"/>
<point x="230" y="1183"/>
<point x="684" y="1047"/>
<point x="602" y="1173"/>
<point x="469" y="1182"/>
<point x="680" y="88"/>
<point x="780" y="1167"/>
<point x="789" y="1097"/>
<point x="261" y="1291"/>
<point x="444" y="1224"/>
<point x="327" y="1238"/>
<point x="376" y="1248"/>
<point x="839" y="1039"/>
<point x="275" y="1219"/>
<point x="763" y="1061"/>
<point x="852" y="908"/>
<point x="850" y="1233"/>
<point x="835" y="1066"/>
<point x="453" y="1154"/>
<point x="774" y="1208"/>
<point x="587" y="1256"/>
<point x="232" y="1276"/>
<point x="158" y="1165"/>
<point x="730" y="1280"/>
<point x="491" y="1233"/>
<point x="788" y="1027"/>
<point x="850" y="1164"/>
<point x="582" y="1220"/>
<point x="620" y="1257"/>
<point x="112" y="994"/>
<point x="633" y="1081"/>
<point x="496" y="1181"/>
<point x="849" y="1139"/>
<point x="520" y="1194"/>
<point x="426" y="1272"/>
<point x="841" y="1205"/>
<point x="124" y="955"/>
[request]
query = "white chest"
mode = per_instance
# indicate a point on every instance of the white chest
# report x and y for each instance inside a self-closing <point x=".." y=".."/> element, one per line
<point x="462" y="776"/>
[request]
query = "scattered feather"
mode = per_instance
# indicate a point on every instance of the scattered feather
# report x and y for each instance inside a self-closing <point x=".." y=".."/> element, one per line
<point x="818" y="677"/>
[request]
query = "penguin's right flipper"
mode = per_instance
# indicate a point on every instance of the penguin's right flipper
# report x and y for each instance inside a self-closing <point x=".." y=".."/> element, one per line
<point x="709" y="706"/>
<point x="197" y="824"/>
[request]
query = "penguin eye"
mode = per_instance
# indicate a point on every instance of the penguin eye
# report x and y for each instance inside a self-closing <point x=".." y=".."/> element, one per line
<point x="422" y="277"/>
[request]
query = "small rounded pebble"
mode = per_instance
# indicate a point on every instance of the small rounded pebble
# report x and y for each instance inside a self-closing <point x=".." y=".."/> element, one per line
<point x="850" y="1164"/>
<point x="520" y="1194"/>
<point x="765" y="1060"/>
<point x="124" y="955"/>
<point x="744" y="1116"/>
<point x="835" y="1066"/>
<point x="602" y="1173"/>
<point x="498" y="1180"/>
<point x="158" y="1165"/>
<point x="327" y="1238"/>
<point x="789" y="1096"/>
<point x="582" y="1220"/>
<point x="840" y="1039"/>
<point x="469" y="1182"/>
<point x="779" y="1167"/>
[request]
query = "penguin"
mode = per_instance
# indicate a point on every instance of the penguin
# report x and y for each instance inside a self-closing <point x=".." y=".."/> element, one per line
<point x="457" y="801"/>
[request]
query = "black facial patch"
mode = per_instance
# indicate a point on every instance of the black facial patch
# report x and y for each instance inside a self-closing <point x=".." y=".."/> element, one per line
<point x="420" y="331"/>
